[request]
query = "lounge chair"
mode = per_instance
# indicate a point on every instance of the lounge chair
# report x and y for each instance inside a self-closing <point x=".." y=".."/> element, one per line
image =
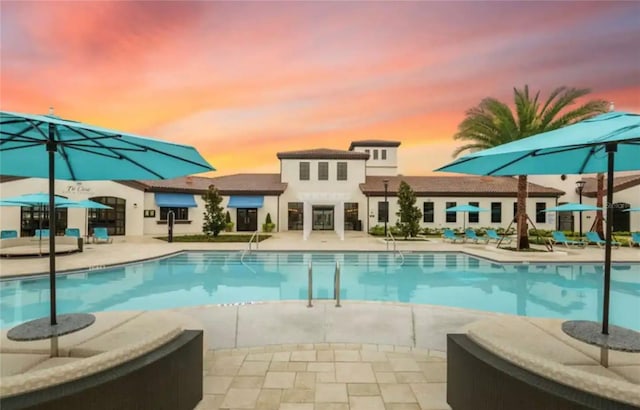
<point x="635" y="239"/>
<point x="101" y="235"/>
<point x="41" y="233"/>
<point x="73" y="232"/>
<point x="449" y="235"/>
<point x="559" y="237"/>
<point x="8" y="234"/>
<point x="493" y="236"/>
<point x="593" y="237"/>
<point x="470" y="235"/>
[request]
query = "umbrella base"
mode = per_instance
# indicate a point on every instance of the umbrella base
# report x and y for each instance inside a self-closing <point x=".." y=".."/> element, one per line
<point x="41" y="328"/>
<point x="619" y="338"/>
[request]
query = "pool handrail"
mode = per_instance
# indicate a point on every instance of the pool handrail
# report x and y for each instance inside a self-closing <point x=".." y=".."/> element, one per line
<point x="336" y="284"/>
<point x="310" y="286"/>
<point x="390" y="235"/>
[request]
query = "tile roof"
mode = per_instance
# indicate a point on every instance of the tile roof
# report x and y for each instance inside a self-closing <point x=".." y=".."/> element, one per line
<point x="455" y="186"/>
<point x="619" y="184"/>
<point x="322" y="153"/>
<point x="373" y="143"/>
<point x="238" y="184"/>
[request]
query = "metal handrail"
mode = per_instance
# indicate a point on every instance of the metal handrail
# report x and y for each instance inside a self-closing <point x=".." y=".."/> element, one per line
<point x="336" y="284"/>
<point x="310" y="290"/>
<point x="255" y="235"/>
<point x="390" y="235"/>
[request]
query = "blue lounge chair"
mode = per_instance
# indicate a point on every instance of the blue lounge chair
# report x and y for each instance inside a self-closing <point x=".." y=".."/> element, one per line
<point x="470" y="234"/>
<point x="635" y="239"/>
<point x="493" y="236"/>
<point x="593" y="237"/>
<point x="559" y="237"/>
<point x="42" y="233"/>
<point x="73" y="232"/>
<point x="449" y="235"/>
<point x="8" y="234"/>
<point x="101" y="235"/>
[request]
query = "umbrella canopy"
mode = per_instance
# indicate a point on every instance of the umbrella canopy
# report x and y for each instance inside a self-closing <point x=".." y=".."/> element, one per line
<point x="35" y="200"/>
<point x="636" y="209"/>
<point x="605" y="143"/>
<point x="86" y="203"/>
<point x="572" y="207"/>
<point x="50" y="147"/>
<point x="466" y="208"/>
<point x="575" y="149"/>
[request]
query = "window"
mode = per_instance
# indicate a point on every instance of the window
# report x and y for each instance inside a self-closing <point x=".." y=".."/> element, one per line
<point x="113" y="219"/>
<point x="296" y="216"/>
<point x="474" y="217"/>
<point x="342" y="171"/>
<point x="180" y="214"/>
<point x="149" y="213"/>
<point x="37" y="217"/>
<point x="375" y="154"/>
<point x="541" y="217"/>
<point x="323" y="171"/>
<point x="351" y="217"/>
<point x="427" y="211"/>
<point x="451" y="216"/>
<point x="367" y="151"/>
<point x="383" y="211"/>
<point x="496" y="212"/>
<point x="383" y="154"/>
<point x="304" y="171"/>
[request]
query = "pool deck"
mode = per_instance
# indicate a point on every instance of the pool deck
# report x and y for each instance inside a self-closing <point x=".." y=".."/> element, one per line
<point x="129" y="249"/>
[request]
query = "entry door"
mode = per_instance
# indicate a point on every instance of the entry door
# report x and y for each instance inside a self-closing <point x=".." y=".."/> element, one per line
<point x="621" y="219"/>
<point x="322" y="218"/>
<point x="247" y="219"/>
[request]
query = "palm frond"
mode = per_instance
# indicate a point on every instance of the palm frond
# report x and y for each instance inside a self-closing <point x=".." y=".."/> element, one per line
<point x="566" y="98"/>
<point x="585" y="111"/>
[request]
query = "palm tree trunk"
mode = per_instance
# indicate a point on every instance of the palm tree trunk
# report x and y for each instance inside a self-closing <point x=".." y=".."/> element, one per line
<point x="523" y="235"/>
<point x="599" y="203"/>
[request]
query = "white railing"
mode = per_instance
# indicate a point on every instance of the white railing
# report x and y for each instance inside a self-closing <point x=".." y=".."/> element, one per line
<point x="395" y="248"/>
<point x="310" y="286"/>
<point x="336" y="284"/>
<point x="256" y="236"/>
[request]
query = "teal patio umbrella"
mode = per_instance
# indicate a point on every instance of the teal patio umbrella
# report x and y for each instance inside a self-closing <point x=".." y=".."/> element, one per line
<point x="572" y="207"/>
<point x="47" y="146"/>
<point x="465" y="208"/>
<point x="86" y="204"/>
<point x="605" y="143"/>
<point x="635" y="209"/>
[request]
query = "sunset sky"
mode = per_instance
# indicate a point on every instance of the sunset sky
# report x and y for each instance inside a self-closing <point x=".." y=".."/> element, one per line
<point x="242" y="81"/>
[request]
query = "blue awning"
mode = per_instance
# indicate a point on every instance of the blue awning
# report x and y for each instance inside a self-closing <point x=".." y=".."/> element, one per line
<point x="246" y="202"/>
<point x="171" y="200"/>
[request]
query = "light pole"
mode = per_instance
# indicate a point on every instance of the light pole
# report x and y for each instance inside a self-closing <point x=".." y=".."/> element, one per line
<point x="386" y="206"/>
<point x="579" y="188"/>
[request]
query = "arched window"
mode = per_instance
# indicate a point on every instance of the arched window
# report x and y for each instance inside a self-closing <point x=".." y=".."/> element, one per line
<point x="113" y="219"/>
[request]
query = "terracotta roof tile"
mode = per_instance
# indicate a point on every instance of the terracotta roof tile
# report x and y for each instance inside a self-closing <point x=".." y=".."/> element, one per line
<point x="373" y="143"/>
<point x="455" y="186"/>
<point x="619" y="183"/>
<point x="322" y="153"/>
<point x="239" y="184"/>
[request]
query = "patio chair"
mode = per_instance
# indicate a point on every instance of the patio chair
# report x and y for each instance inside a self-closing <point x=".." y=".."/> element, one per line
<point x="594" y="237"/>
<point x="73" y="232"/>
<point x="8" y="234"/>
<point x="635" y="239"/>
<point x="449" y="235"/>
<point x="101" y="235"/>
<point x="470" y="234"/>
<point x="559" y="237"/>
<point x="41" y="233"/>
<point x="493" y="236"/>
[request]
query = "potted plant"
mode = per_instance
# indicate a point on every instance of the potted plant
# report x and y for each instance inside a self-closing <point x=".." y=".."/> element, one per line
<point x="228" y="225"/>
<point x="268" y="226"/>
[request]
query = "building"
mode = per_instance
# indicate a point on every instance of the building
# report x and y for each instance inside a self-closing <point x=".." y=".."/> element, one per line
<point x="316" y="190"/>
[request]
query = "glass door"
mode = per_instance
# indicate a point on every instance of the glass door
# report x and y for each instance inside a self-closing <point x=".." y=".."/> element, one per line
<point x="247" y="219"/>
<point x="322" y="218"/>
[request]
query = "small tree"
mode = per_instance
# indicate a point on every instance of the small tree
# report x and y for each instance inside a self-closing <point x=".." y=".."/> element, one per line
<point x="410" y="215"/>
<point x="214" y="217"/>
<point x="268" y="225"/>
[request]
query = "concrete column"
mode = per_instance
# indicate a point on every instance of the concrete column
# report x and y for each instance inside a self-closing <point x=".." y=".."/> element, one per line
<point x="338" y="215"/>
<point x="307" y="218"/>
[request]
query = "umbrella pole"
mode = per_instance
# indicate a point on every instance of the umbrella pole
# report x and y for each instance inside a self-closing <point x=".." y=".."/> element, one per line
<point x="51" y="150"/>
<point x="611" y="149"/>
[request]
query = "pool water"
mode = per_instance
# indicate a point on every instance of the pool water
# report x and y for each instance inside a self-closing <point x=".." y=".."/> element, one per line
<point x="448" y="279"/>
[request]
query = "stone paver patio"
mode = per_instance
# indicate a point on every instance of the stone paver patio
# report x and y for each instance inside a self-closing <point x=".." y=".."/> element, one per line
<point x="324" y="376"/>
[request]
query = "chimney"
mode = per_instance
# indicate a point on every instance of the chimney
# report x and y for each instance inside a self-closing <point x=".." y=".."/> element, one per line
<point x="189" y="180"/>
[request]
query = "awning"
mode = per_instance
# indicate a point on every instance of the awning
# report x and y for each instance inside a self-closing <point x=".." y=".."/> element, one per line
<point x="246" y="202"/>
<point x="170" y="200"/>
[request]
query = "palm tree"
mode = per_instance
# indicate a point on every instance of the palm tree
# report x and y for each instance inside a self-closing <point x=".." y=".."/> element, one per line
<point x="492" y="123"/>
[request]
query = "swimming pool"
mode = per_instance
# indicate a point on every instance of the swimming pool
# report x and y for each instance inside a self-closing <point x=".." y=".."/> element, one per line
<point x="448" y="279"/>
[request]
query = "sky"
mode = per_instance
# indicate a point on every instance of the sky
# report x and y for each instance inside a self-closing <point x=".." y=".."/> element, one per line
<point x="242" y="81"/>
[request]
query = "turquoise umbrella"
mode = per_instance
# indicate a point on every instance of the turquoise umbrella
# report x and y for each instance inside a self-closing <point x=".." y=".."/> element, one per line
<point x="572" y="207"/>
<point x="47" y="146"/>
<point x="465" y="208"/>
<point x="636" y="209"/>
<point x="605" y="143"/>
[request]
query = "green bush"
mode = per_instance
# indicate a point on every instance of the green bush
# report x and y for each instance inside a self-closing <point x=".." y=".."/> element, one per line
<point x="268" y="226"/>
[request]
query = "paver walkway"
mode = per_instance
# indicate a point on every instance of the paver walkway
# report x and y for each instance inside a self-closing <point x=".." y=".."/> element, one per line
<point x="325" y="376"/>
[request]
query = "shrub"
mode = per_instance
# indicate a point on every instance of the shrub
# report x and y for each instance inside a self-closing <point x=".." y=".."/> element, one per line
<point x="268" y="226"/>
